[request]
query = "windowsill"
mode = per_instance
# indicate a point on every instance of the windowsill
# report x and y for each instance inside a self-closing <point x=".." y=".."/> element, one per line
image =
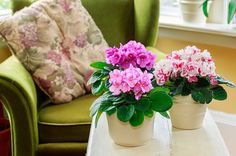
<point x="216" y="34"/>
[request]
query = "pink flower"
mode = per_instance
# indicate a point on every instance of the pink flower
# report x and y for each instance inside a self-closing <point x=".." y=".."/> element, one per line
<point x="125" y="87"/>
<point x="116" y="76"/>
<point x="192" y="79"/>
<point x="115" y="58"/>
<point x="137" y="91"/>
<point x="161" y="78"/>
<point x="142" y="60"/>
<point x="130" y="55"/>
<point x="188" y="63"/>
<point x="213" y="80"/>
<point x="192" y="69"/>
<point x="115" y="88"/>
<point x="145" y="82"/>
<point x="110" y="52"/>
<point x="130" y="80"/>
<point x="133" y="53"/>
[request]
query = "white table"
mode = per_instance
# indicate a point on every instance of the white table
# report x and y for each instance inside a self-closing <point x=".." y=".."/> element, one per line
<point x="167" y="141"/>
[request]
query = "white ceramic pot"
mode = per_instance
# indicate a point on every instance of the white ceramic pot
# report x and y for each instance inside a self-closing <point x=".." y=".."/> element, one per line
<point x="218" y="11"/>
<point x="192" y="11"/>
<point x="124" y="134"/>
<point x="186" y="113"/>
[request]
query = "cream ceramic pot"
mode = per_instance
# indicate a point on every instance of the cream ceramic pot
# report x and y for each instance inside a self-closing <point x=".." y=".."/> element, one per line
<point x="186" y="113"/>
<point x="124" y="134"/>
<point x="218" y="12"/>
<point x="192" y="11"/>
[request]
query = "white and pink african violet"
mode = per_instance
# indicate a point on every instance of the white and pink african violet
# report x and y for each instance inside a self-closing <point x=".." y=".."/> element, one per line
<point x="126" y="80"/>
<point x="191" y="71"/>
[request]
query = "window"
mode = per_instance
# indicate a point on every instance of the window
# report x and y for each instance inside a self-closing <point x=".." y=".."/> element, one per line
<point x="169" y="7"/>
<point x="172" y="8"/>
<point x="5" y="4"/>
<point x="5" y="7"/>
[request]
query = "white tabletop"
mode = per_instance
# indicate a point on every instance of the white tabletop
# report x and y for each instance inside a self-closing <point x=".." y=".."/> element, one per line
<point x="167" y="141"/>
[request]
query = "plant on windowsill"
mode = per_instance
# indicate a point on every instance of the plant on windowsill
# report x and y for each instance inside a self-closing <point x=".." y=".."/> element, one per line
<point x="218" y="11"/>
<point x="129" y="99"/>
<point x="190" y="75"/>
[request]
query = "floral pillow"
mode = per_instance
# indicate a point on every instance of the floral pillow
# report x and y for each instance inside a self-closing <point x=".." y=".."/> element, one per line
<point x="56" y="40"/>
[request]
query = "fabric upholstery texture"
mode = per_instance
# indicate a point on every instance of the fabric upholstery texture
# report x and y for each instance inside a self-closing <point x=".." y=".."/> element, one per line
<point x="56" y="40"/>
<point x="57" y="124"/>
<point x="62" y="149"/>
<point x="119" y="21"/>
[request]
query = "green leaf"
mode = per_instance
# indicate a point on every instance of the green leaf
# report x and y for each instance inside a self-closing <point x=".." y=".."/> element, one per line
<point x="108" y="68"/>
<point x="107" y="84"/>
<point x="98" y="115"/>
<point x="95" y="77"/>
<point x="160" y="102"/>
<point x="186" y="90"/>
<point x="124" y="113"/>
<point x="94" y="108"/>
<point x="158" y="89"/>
<point x="203" y="82"/>
<point x="221" y="80"/>
<point x="97" y="103"/>
<point x="106" y="106"/>
<point x="143" y="104"/>
<point x="110" y="112"/>
<point x="231" y="10"/>
<point x="137" y="118"/>
<point x="119" y="102"/>
<point x="117" y="98"/>
<point x="179" y="88"/>
<point x="205" y="7"/>
<point x="99" y="65"/>
<point x="130" y="99"/>
<point x="202" y="96"/>
<point x="165" y="114"/>
<point x="98" y="87"/>
<point x="219" y="93"/>
<point x="149" y="113"/>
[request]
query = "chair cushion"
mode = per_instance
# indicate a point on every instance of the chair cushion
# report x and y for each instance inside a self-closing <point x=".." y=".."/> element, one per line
<point x="66" y="123"/>
<point x="56" y="40"/>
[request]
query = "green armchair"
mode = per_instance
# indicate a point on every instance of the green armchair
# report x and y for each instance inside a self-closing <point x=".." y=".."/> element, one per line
<point x="41" y="128"/>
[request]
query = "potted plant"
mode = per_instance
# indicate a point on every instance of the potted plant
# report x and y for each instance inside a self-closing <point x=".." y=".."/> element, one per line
<point x="190" y="75"/>
<point x="191" y="11"/>
<point x="5" y="138"/>
<point x="220" y="11"/>
<point x="231" y="10"/>
<point x="129" y="98"/>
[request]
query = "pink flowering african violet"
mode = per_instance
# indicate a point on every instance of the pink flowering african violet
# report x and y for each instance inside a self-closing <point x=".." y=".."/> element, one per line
<point x="131" y="53"/>
<point x="125" y="82"/>
<point x="189" y="63"/>
<point x="130" y="80"/>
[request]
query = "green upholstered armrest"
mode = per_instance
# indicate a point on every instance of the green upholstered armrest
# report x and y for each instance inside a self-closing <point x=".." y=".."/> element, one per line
<point x="18" y="94"/>
<point x="160" y="55"/>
